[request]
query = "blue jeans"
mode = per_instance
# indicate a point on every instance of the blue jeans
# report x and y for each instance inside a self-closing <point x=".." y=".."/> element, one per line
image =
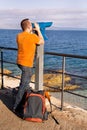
<point x="24" y="83"/>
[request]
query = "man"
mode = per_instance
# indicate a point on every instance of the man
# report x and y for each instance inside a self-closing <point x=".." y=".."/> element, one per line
<point x="26" y="42"/>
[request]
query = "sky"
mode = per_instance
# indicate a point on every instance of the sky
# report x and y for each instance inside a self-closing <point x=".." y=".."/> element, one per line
<point x="65" y="14"/>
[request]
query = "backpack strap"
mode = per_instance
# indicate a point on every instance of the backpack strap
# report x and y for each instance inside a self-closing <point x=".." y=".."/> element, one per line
<point x="47" y="95"/>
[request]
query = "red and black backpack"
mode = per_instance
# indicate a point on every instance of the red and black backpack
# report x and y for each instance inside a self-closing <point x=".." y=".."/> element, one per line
<point x="32" y="107"/>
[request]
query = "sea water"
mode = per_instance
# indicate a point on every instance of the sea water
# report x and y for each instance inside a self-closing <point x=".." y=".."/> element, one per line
<point x="59" y="41"/>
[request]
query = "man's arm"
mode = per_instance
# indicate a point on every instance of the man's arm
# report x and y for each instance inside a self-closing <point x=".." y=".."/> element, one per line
<point x="37" y="28"/>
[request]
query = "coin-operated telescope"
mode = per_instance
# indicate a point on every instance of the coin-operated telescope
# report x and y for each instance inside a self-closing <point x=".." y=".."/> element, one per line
<point x="43" y="26"/>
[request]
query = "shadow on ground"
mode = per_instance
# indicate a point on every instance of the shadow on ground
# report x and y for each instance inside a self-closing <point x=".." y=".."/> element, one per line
<point x="7" y="97"/>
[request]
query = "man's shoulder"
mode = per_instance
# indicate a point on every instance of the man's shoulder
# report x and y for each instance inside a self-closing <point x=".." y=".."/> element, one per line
<point x="20" y="34"/>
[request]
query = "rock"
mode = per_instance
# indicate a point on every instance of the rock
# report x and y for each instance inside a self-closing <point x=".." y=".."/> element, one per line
<point x="5" y="71"/>
<point x="53" y="82"/>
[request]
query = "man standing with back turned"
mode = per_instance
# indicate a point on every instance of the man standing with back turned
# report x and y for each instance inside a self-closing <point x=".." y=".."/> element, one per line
<point x="26" y="42"/>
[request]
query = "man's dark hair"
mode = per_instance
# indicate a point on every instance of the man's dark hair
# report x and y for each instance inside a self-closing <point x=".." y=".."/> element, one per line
<point x="24" y="23"/>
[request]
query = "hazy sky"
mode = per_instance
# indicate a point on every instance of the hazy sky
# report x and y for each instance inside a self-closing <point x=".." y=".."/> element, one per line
<point x="63" y="13"/>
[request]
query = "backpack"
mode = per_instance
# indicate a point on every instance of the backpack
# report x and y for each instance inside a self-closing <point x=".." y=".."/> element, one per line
<point x="32" y="106"/>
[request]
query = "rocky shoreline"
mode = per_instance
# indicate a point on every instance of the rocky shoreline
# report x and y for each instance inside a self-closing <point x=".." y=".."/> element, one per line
<point x="52" y="82"/>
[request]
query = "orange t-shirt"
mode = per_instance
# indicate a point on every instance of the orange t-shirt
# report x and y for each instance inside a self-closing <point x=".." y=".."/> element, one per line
<point x="26" y="43"/>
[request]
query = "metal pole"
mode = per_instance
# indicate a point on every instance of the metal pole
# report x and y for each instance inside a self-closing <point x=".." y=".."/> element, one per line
<point x="39" y="68"/>
<point x="2" y="80"/>
<point x="62" y="92"/>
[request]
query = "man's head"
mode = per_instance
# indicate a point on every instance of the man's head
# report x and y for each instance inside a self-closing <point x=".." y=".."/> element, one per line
<point x="26" y="24"/>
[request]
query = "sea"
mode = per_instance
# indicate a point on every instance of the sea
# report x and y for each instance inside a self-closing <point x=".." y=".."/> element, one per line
<point x="59" y="41"/>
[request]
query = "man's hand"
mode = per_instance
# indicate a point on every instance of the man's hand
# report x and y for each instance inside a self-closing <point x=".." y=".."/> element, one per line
<point x="37" y="28"/>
